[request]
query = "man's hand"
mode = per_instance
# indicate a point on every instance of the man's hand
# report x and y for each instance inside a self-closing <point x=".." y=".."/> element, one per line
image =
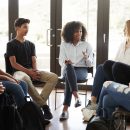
<point x="34" y="74"/>
<point x="2" y="88"/>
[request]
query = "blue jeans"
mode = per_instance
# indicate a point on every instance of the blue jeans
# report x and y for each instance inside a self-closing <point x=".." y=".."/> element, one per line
<point x="19" y="91"/>
<point x="71" y="75"/>
<point x="110" y="98"/>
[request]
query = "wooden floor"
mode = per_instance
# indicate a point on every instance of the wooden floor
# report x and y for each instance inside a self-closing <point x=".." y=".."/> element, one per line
<point x="74" y="122"/>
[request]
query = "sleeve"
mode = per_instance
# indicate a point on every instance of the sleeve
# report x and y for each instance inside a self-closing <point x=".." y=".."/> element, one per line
<point x="33" y="50"/>
<point x="62" y="55"/>
<point x="90" y="59"/>
<point x="10" y="50"/>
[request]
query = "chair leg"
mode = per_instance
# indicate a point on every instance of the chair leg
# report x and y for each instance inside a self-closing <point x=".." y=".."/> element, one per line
<point x="48" y="101"/>
<point x="55" y="97"/>
<point x="85" y="98"/>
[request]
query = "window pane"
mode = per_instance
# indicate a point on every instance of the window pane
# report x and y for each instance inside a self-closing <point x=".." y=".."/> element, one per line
<point x="118" y="15"/>
<point x="38" y="11"/>
<point x="3" y="30"/>
<point x="84" y="11"/>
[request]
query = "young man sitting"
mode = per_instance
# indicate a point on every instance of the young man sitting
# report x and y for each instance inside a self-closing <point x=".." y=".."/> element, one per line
<point x="22" y="56"/>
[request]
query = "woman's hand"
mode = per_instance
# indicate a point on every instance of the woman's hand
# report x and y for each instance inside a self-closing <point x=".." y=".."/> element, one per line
<point x="68" y="62"/>
<point x="2" y="88"/>
<point x="85" y="55"/>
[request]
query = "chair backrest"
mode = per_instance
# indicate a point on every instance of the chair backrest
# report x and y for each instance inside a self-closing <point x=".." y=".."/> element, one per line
<point x="8" y="66"/>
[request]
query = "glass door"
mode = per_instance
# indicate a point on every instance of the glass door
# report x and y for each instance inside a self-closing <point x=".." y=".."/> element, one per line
<point x="38" y="11"/>
<point x="84" y="11"/>
<point x="118" y="15"/>
<point x="3" y="31"/>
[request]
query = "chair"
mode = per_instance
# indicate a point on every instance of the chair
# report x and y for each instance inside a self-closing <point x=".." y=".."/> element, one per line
<point x="82" y="85"/>
<point x="119" y="118"/>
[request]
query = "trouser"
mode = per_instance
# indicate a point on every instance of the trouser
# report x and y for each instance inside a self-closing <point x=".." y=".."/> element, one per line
<point x="50" y="80"/>
<point x="110" y="70"/>
<point x="113" y="95"/>
<point x="71" y="75"/>
<point x="19" y="91"/>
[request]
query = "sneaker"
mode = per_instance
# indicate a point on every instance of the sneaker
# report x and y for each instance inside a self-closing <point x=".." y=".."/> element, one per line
<point x="88" y="114"/>
<point x="91" y="105"/>
<point x="47" y="112"/>
<point x="64" y="116"/>
<point x="77" y="102"/>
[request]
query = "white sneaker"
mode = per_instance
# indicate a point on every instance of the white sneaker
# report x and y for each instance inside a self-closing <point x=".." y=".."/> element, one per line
<point x="64" y="116"/>
<point x="88" y="114"/>
<point x="91" y="105"/>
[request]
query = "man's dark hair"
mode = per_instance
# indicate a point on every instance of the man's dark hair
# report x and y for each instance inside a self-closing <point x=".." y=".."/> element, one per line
<point x="18" y="22"/>
<point x="70" y="28"/>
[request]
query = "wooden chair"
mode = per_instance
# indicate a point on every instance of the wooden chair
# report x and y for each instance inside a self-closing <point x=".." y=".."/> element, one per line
<point x="82" y="86"/>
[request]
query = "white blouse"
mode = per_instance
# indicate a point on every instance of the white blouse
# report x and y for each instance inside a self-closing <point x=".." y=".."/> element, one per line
<point x="123" y="55"/>
<point x="75" y="54"/>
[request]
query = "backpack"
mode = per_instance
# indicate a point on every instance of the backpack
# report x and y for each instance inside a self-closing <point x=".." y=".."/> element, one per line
<point x="32" y="115"/>
<point x="10" y="118"/>
<point x="98" y="123"/>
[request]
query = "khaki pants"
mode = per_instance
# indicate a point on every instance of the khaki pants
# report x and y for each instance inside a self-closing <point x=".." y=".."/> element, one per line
<point x="50" y="80"/>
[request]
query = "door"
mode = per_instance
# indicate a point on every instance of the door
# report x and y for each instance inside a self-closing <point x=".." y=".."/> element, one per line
<point x="38" y="11"/>
<point x="3" y="31"/>
<point x="75" y="10"/>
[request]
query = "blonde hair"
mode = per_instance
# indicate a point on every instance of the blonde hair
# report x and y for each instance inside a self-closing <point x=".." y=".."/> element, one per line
<point x="127" y="28"/>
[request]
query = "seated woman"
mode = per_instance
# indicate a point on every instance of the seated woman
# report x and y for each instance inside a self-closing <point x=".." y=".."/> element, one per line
<point x="114" y="94"/>
<point x="75" y="56"/>
<point x="16" y="88"/>
<point x="105" y="71"/>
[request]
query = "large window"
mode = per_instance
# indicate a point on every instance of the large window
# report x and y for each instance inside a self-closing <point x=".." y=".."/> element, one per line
<point x="38" y="11"/>
<point x="84" y="11"/>
<point x="3" y="30"/>
<point x="118" y="15"/>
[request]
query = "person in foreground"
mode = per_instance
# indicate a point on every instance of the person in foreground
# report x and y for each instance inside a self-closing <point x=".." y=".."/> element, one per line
<point x="17" y="88"/>
<point x="105" y="71"/>
<point x="115" y="94"/>
<point x="75" y="56"/>
<point x="22" y="56"/>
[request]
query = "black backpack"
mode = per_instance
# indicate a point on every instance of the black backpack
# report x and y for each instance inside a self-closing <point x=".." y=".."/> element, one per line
<point x="10" y="118"/>
<point x="98" y="123"/>
<point x="32" y="115"/>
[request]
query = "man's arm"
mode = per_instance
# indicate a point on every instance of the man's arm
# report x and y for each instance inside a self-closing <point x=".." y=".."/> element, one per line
<point x="17" y="66"/>
<point x="34" y="63"/>
<point x="32" y="73"/>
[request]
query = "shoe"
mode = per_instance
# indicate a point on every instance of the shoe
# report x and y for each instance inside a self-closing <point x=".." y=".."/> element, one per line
<point x="91" y="105"/>
<point x="87" y="114"/>
<point x="47" y="112"/>
<point x="77" y="102"/>
<point x="46" y="122"/>
<point x="64" y="116"/>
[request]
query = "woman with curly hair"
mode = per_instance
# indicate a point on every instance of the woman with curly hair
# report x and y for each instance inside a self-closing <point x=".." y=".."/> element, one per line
<point x="75" y="56"/>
